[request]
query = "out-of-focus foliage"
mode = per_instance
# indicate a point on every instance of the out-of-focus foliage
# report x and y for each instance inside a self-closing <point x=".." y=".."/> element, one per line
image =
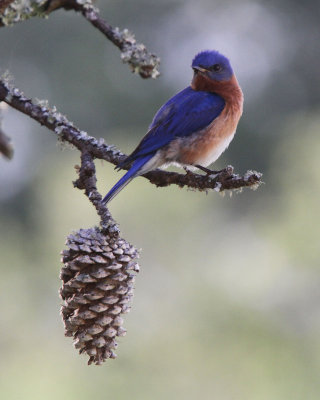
<point x="227" y="302"/>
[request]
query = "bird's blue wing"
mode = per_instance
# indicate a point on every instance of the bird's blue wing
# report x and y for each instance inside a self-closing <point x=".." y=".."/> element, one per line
<point x="187" y="112"/>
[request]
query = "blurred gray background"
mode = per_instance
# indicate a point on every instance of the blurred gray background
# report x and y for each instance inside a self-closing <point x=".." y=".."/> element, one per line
<point x="227" y="304"/>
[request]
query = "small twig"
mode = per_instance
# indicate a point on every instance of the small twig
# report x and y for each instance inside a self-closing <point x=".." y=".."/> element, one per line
<point x="4" y="4"/>
<point x="58" y="123"/>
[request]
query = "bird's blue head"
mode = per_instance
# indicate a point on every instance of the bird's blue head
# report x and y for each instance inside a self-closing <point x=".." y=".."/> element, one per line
<point x="212" y="64"/>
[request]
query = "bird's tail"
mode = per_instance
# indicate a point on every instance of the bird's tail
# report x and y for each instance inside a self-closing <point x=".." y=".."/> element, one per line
<point x="135" y="170"/>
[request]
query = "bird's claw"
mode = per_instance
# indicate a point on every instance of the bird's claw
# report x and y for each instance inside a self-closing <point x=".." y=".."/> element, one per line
<point x="209" y="171"/>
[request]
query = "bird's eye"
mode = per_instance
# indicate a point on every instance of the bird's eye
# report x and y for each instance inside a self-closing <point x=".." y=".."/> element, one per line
<point x="216" y="67"/>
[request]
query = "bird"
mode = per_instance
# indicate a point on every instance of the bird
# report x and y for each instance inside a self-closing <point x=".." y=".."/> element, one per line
<point x="194" y="127"/>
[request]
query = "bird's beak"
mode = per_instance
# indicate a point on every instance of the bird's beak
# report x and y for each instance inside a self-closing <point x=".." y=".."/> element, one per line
<point x="199" y="69"/>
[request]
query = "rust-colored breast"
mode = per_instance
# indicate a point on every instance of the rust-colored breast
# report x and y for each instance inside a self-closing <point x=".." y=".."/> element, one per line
<point x="206" y="146"/>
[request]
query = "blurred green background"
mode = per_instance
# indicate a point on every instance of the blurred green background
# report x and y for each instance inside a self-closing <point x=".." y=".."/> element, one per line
<point x="227" y="304"/>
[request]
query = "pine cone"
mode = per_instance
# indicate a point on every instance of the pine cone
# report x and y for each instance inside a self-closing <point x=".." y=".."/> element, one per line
<point x="98" y="277"/>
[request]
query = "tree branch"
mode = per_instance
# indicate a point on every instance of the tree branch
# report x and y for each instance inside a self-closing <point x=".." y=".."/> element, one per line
<point x="67" y="132"/>
<point x="134" y="54"/>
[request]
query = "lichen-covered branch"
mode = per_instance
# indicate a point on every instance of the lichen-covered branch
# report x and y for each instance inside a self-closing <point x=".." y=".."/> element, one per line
<point x="134" y="54"/>
<point x="67" y="132"/>
<point x="58" y="123"/>
<point x="87" y="181"/>
<point x="224" y="180"/>
<point x="13" y="11"/>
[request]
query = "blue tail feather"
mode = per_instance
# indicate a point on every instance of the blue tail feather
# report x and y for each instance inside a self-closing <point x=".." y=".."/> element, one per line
<point x="127" y="178"/>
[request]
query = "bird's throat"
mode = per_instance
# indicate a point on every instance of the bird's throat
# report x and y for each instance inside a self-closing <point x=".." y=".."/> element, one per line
<point x="229" y="90"/>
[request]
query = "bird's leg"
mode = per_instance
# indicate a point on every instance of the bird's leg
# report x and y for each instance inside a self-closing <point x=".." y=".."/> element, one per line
<point x="209" y="171"/>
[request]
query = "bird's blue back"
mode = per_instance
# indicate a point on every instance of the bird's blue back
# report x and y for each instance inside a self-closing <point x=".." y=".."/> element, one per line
<point x="187" y="112"/>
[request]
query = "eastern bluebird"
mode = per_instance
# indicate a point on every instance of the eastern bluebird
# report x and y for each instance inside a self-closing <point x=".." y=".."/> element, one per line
<point x="194" y="127"/>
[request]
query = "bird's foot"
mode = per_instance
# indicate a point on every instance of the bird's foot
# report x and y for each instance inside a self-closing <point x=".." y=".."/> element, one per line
<point x="209" y="171"/>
